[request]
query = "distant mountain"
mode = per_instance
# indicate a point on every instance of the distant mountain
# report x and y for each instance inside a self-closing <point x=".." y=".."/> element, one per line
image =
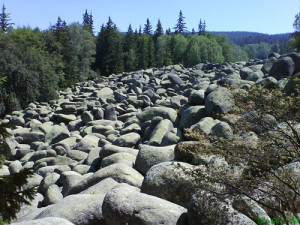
<point x="243" y="38"/>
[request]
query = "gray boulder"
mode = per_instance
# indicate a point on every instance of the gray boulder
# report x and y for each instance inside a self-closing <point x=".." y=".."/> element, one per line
<point x="109" y="149"/>
<point x="127" y="140"/>
<point x="46" y="221"/>
<point x="87" y="117"/>
<point x="191" y="115"/>
<point x="122" y="157"/>
<point x="222" y="129"/>
<point x="220" y="101"/>
<point x="53" y="195"/>
<point x="124" y="205"/>
<point x="197" y="97"/>
<point x="81" y="209"/>
<point x="175" y="79"/>
<point x="57" y="134"/>
<point x="65" y="118"/>
<point x="165" y="180"/>
<point x="102" y="187"/>
<point x="120" y="172"/>
<point x="204" y="125"/>
<point x="164" y="112"/>
<point x="149" y="156"/>
<point x="110" y="113"/>
<point x="15" y="167"/>
<point x="283" y="67"/>
<point x="162" y="128"/>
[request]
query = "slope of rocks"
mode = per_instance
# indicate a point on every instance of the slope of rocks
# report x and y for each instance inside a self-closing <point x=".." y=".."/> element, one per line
<point x="103" y="152"/>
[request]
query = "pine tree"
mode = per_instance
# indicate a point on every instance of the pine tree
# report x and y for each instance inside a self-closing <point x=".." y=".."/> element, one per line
<point x="88" y="21"/>
<point x="168" y="31"/>
<point x="180" y="27"/>
<point x="193" y="31"/>
<point x="148" y="27"/>
<point x="4" y="20"/>
<point x="109" y="54"/>
<point x="201" y="27"/>
<point x="129" y="48"/>
<point x="159" y="30"/>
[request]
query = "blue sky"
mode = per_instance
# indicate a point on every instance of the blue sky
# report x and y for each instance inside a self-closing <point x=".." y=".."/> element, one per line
<point x="264" y="16"/>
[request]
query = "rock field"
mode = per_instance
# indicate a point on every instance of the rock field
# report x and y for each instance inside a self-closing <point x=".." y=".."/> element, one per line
<point x="104" y="152"/>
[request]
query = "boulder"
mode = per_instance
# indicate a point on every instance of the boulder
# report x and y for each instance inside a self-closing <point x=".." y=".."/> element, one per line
<point x="191" y="115"/>
<point x="110" y="149"/>
<point x="127" y="140"/>
<point x="164" y="112"/>
<point x="46" y="221"/>
<point x="105" y="93"/>
<point x="87" y="117"/>
<point x="165" y="180"/>
<point x="110" y="113"/>
<point x="197" y="97"/>
<point x="283" y="67"/>
<point x="162" y="128"/>
<point x="83" y="209"/>
<point x="124" y="205"/>
<point x="120" y="172"/>
<point x="102" y="187"/>
<point x="204" y="125"/>
<point x="57" y="134"/>
<point x="149" y="156"/>
<point x="122" y="157"/>
<point x="222" y="129"/>
<point x="174" y="79"/>
<point x="53" y="195"/>
<point x="219" y="102"/>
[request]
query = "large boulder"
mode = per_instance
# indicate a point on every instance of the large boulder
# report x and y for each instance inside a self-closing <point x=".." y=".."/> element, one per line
<point x="46" y="221"/>
<point x="102" y="187"/>
<point x="164" y="112"/>
<point x="165" y="180"/>
<point x="110" y="149"/>
<point x="284" y="67"/>
<point x="120" y="172"/>
<point x="191" y="115"/>
<point x="204" y="125"/>
<point x="127" y="140"/>
<point x="123" y="205"/>
<point x="149" y="156"/>
<point x="220" y="101"/>
<point x="81" y="209"/>
<point x="122" y="157"/>
<point x="162" y="128"/>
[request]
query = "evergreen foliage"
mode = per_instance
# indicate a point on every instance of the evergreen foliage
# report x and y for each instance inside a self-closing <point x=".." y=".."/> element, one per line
<point x="109" y="54"/>
<point x="148" y="27"/>
<point x="201" y="27"/>
<point x="159" y="30"/>
<point x="5" y="25"/>
<point x="180" y="27"/>
<point x="88" y="22"/>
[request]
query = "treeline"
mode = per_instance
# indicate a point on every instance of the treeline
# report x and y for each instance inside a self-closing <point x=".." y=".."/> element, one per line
<point x="259" y="45"/>
<point x="38" y="63"/>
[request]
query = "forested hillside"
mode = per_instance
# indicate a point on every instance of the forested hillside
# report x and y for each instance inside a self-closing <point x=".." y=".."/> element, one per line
<point x="37" y="63"/>
<point x="259" y="45"/>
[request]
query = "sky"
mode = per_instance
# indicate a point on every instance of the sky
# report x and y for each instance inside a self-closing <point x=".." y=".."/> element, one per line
<point x="263" y="16"/>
